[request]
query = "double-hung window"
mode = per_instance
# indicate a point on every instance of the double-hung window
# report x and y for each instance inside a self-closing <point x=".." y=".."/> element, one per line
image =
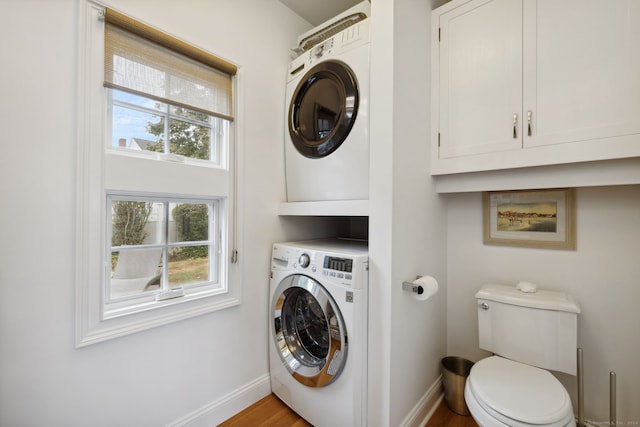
<point x="156" y="237"/>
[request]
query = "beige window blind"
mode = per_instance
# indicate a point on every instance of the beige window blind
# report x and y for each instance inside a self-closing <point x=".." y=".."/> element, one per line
<point x="144" y="61"/>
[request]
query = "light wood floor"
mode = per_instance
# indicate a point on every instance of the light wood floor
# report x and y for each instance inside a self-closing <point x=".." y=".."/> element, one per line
<point x="268" y="412"/>
<point x="271" y="412"/>
<point x="445" y="417"/>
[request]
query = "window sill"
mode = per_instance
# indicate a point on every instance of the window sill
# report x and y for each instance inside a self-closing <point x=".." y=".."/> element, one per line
<point x="93" y="330"/>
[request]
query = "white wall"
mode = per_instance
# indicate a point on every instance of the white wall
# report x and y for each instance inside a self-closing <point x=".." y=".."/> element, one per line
<point x="407" y="218"/>
<point x="161" y="375"/>
<point x="603" y="275"/>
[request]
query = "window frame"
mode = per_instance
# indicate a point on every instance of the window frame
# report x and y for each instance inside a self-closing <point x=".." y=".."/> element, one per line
<point x="96" y="181"/>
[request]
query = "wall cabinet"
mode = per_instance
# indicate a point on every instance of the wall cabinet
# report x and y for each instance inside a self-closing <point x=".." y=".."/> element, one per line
<point x="520" y="83"/>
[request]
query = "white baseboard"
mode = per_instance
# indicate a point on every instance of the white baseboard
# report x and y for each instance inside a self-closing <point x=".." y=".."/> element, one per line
<point x="426" y="406"/>
<point x="227" y="406"/>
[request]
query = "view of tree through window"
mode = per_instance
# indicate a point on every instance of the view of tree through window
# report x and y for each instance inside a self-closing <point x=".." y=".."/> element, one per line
<point x="129" y="221"/>
<point x="159" y="244"/>
<point x="139" y="123"/>
<point x="188" y="139"/>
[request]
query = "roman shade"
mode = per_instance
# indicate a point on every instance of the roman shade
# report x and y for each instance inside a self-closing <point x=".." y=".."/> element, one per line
<point x="142" y="60"/>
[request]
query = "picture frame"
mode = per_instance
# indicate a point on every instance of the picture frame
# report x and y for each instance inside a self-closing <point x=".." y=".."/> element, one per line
<point x="530" y="218"/>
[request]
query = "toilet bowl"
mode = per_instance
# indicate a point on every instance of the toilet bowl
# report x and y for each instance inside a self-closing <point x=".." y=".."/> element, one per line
<point x="501" y="392"/>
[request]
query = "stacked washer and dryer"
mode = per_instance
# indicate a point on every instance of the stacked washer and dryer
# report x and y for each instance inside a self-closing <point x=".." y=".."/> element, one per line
<point x="319" y="289"/>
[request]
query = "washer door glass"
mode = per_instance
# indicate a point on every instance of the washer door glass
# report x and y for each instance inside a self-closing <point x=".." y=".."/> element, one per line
<point x="309" y="331"/>
<point x="323" y="109"/>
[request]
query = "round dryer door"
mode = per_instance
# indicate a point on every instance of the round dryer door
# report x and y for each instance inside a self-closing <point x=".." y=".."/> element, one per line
<point x="309" y="331"/>
<point x="323" y="109"/>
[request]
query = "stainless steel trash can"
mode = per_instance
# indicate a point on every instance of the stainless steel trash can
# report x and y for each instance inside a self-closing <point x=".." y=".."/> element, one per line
<point x="455" y="371"/>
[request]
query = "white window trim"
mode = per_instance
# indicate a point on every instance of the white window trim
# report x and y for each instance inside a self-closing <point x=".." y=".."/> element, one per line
<point x="92" y="156"/>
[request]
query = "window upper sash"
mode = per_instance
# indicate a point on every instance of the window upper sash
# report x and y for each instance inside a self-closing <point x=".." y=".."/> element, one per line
<point x="148" y="62"/>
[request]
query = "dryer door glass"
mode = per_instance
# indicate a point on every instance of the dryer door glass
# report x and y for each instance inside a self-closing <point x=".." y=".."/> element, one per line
<point x="309" y="331"/>
<point x="323" y="109"/>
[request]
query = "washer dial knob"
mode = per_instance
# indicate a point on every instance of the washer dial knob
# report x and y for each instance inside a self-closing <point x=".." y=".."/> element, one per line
<point x="304" y="260"/>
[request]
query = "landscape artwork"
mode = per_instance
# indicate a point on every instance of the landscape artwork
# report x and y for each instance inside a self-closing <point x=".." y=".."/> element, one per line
<point x="530" y="218"/>
<point x="538" y="216"/>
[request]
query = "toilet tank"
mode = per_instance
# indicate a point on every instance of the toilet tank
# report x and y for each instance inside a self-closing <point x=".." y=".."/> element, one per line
<point x="536" y="328"/>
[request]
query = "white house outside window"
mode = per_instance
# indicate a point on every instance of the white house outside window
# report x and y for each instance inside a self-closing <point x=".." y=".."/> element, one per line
<point x="160" y="176"/>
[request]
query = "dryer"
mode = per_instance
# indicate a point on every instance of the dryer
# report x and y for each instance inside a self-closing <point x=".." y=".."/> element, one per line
<point x="318" y="329"/>
<point x="327" y="111"/>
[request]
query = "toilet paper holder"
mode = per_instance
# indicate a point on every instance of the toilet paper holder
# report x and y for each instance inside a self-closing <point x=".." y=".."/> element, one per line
<point x="412" y="287"/>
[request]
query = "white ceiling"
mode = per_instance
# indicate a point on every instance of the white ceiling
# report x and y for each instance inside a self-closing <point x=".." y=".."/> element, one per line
<point x="318" y="11"/>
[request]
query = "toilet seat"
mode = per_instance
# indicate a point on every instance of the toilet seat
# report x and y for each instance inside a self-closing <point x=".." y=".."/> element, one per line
<point x="514" y="394"/>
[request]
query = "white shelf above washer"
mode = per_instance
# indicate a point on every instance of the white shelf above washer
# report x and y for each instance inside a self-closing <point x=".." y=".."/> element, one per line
<point x="325" y="208"/>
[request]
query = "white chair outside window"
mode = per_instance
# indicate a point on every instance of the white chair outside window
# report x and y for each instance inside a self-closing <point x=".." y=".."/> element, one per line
<point x="137" y="270"/>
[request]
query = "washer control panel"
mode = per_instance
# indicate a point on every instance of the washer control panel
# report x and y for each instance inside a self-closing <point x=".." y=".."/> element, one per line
<point x="336" y="267"/>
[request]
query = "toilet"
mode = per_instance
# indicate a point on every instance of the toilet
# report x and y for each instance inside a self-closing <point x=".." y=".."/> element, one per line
<point x="530" y="332"/>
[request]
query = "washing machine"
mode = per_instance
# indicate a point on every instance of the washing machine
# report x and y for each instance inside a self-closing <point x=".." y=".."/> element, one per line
<point x="318" y="329"/>
<point x="327" y="111"/>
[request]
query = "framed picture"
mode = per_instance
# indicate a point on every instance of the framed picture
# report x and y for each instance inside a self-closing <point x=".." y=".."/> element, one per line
<point x="534" y="219"/>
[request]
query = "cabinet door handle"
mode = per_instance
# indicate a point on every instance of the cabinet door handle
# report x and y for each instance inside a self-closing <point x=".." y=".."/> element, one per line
<point x="529" y="114"/>
<point x="515" y="126"/>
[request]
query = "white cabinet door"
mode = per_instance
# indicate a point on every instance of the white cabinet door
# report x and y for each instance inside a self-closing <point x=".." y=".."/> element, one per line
<point x="581" y="70"/>
<point x="480" y="78"/>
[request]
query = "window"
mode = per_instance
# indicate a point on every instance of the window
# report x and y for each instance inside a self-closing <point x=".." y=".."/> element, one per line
<point x="157" y="188"/>
<point x="159" y="249"/>
<point x="157" y="127"/>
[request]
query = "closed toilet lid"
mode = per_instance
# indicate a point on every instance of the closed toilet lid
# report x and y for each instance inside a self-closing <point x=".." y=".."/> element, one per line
<point x="520" y="392"/>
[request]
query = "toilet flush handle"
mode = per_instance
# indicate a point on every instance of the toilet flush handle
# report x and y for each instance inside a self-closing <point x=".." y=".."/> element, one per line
<point x="484" y="306"/>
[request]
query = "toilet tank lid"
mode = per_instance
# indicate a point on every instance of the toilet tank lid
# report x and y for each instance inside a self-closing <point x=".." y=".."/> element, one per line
<point x="543" y="299"/>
